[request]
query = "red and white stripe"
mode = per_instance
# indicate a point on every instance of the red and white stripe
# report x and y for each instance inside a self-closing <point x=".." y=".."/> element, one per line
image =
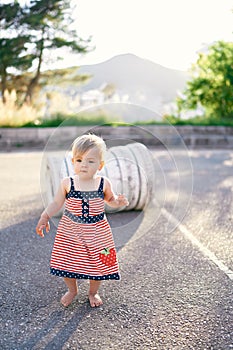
<point x="96" y="206"/>
<point x="77" y="247"/>
<point x="74" y="205"/>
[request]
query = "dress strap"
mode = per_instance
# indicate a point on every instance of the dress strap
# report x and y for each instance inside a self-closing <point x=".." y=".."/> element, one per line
<point x="101" y="186"/>
<point x="72" y="184"/>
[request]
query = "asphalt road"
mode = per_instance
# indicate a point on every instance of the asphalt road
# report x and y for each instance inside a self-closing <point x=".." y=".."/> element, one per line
<point x="176" y="286"/>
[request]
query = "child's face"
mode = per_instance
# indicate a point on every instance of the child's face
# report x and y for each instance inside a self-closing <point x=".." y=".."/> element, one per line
<point x="87" y="165"/>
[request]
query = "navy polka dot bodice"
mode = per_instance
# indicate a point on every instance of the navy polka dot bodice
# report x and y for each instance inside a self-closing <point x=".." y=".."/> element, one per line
<point x="88" y="199"/>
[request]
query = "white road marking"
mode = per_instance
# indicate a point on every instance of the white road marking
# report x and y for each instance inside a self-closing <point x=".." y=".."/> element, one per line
<point x="205" y="251"/>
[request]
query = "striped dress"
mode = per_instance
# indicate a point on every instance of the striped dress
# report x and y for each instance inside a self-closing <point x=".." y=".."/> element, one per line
<point x="84" y="246"/>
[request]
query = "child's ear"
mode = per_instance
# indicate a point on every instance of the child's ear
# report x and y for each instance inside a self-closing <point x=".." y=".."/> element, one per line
<point x="101" y="165"/>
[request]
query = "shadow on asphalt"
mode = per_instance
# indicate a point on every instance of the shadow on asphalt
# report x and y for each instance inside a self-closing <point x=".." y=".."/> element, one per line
<point x="64" y="333"/>
<point x="27" y="286"/>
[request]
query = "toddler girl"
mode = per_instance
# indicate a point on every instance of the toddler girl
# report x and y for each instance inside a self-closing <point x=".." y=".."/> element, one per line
<point x="84" y="246"/>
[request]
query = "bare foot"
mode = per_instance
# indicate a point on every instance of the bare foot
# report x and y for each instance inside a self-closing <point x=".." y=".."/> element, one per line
<point x="67" y="298"/>
<point x="95" y="300"/>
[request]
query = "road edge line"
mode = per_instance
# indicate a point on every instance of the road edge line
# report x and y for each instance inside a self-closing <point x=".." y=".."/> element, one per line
<point x="205" y="251"/>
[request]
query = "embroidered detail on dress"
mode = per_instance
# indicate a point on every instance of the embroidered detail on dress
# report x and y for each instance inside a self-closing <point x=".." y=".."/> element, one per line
<point x="108" y="256"/>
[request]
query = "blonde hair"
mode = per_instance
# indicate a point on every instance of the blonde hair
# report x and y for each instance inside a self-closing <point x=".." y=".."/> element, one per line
<point x="85" y="142"/>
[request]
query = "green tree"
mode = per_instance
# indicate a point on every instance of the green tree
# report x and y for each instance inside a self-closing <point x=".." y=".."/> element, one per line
<point x="211" y="85"/>
<point x="48" y="22"/>
<point x="30" y="34"/>
<point x="13" y="51"/>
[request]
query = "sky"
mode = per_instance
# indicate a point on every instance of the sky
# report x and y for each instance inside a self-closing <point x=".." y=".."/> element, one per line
<point x="168" y="32"/>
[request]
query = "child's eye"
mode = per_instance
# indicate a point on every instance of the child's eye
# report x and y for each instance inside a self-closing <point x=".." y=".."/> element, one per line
<point x="91" y="161"/>
<point x="79" y="160"/>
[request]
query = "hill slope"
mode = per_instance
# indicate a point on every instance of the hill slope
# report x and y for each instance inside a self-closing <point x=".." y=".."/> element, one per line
<point x="134" y="80"/>
<point x="143" y="80"/>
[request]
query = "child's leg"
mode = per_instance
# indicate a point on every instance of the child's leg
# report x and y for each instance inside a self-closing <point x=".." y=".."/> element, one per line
<point x="72" y="291"/>
<point x="94" y="297"/>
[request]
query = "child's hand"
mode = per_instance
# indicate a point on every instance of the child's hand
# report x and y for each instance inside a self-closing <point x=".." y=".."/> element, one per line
<point x="122" y="200"/>
<point x="42" y="224"/>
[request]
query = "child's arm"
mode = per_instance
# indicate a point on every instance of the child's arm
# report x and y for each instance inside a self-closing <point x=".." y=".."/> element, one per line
<point x="111" y="198"/>
<point x="52" y="208"/>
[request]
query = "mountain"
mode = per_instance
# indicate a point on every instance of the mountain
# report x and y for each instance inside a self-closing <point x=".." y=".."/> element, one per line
<point x="145" y="82"/>
<point x="123" y="81"/>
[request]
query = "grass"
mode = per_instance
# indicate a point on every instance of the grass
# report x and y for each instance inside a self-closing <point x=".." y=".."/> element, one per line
<point x="69" y="120"/>
<point x="201" y="121"/>
<point x="172" y="120"/>
<point x="30" y="119"/>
